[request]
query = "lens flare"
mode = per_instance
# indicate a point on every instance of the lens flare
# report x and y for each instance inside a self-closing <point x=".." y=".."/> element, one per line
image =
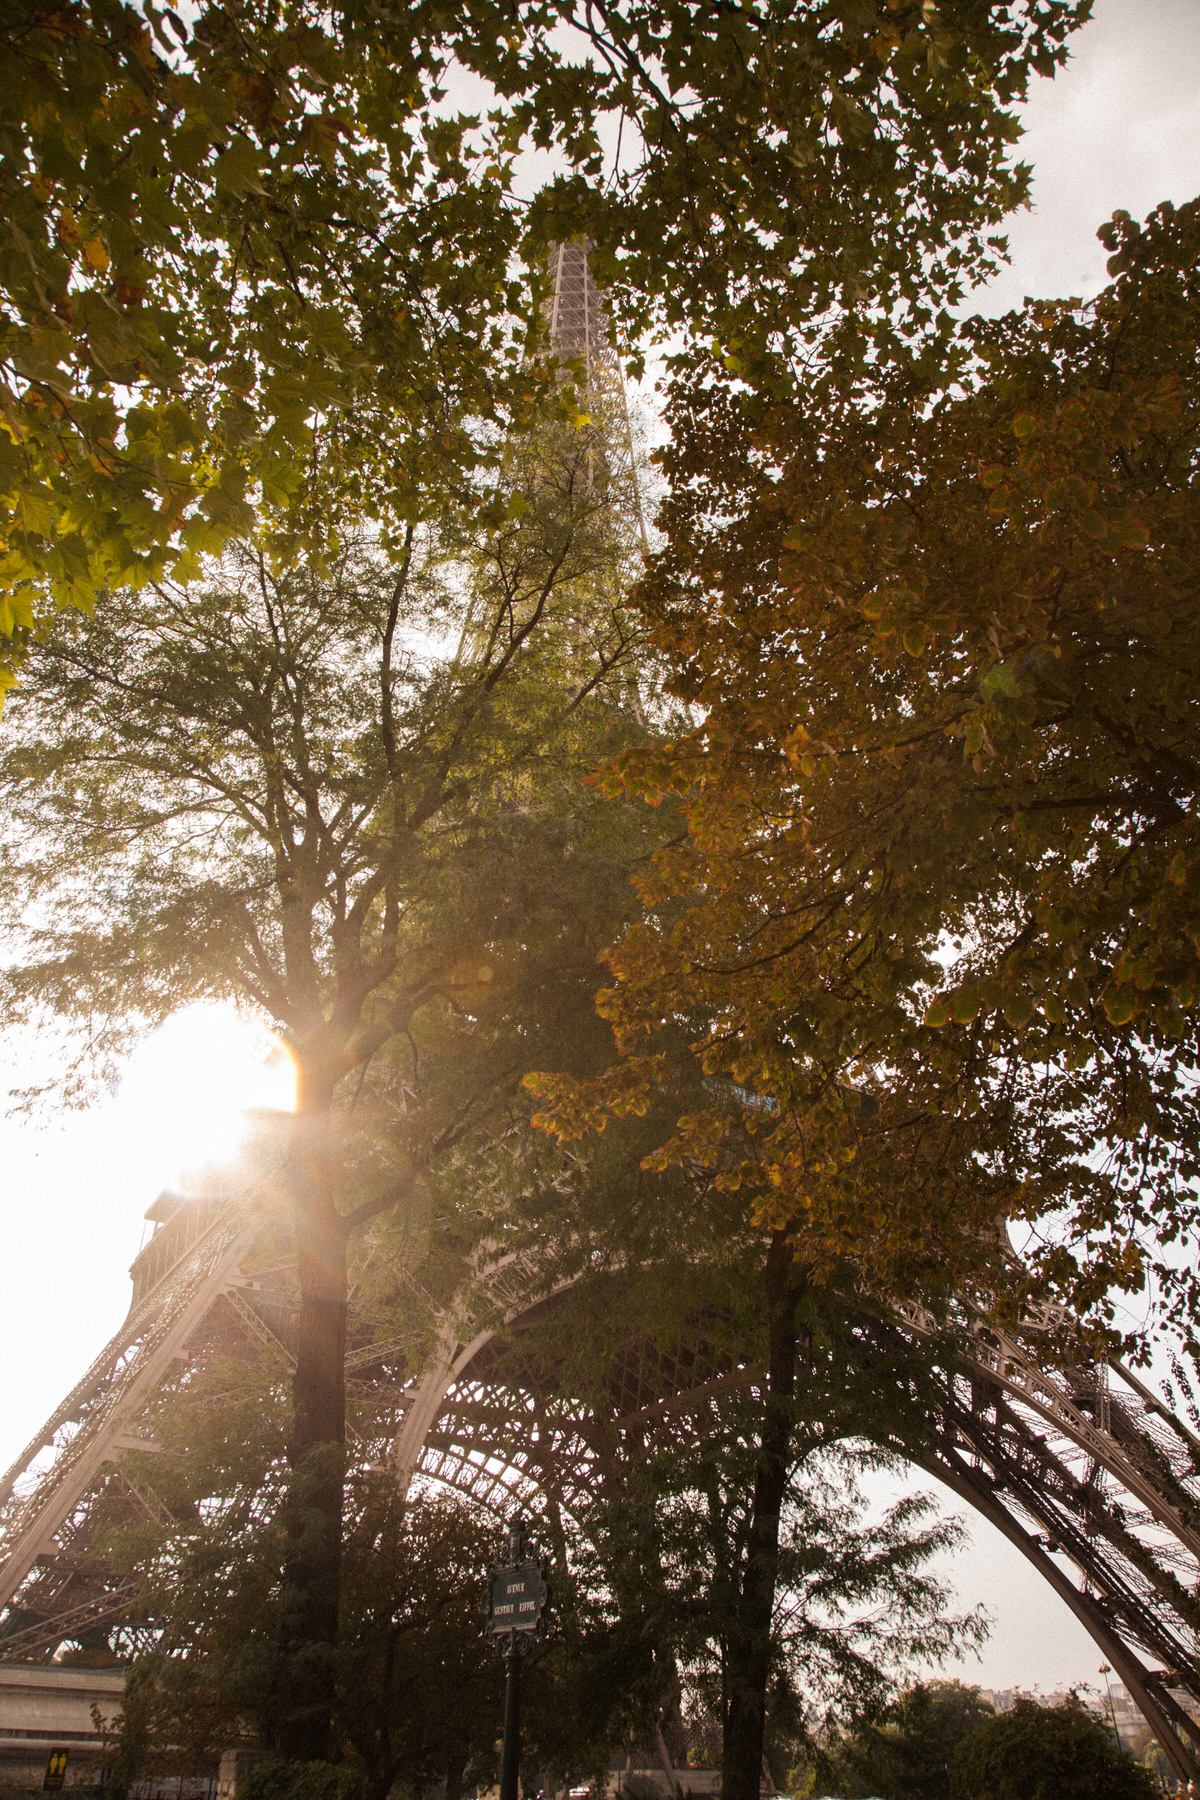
<point x="184" y="1101"/>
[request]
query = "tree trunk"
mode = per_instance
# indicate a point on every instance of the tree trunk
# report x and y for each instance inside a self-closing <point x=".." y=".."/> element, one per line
<point x="316" y="1442"/>
<point x="748" y="1646"/>
<point x="456" y="1769"/>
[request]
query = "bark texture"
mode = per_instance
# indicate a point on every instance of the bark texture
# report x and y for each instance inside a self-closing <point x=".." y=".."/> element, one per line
<point x="748" y="1644"/>
<point x="316" y="1444"/>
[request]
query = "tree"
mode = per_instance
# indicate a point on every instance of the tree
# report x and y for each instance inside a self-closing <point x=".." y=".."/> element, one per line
<point x="419" y="1686"/>
<point x="417" y="1689"/>
<point x="253" y="245"/>
<point x="940" y="837"/>
<point x="283" y="793"/>
<point x="1061" y="1752"/>
<point x="941" y="650"/>
<point x="718" y="1607"/>
<point x="909" y="1751"/>
<point x="853" y="1604"/>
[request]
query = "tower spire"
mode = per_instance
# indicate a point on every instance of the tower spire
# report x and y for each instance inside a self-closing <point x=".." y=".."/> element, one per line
<point x="581" y="329"/>
<point x="578" y="324"/>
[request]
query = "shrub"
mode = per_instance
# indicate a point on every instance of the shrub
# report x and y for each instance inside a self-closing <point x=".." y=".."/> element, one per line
<point x="1061" y="1752"/>
<point x="303" y="1781"/>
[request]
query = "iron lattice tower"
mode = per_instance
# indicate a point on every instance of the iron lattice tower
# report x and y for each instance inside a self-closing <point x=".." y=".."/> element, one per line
<point x="1082" y="1468"/>
<point x="581" y="330"/>
<point x="578" y="324"/>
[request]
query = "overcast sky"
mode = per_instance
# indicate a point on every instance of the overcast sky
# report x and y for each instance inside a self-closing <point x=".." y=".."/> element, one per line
<point x="1120" y="129"/>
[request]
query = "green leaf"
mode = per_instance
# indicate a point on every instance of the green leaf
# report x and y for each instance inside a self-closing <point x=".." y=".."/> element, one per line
<point x="964" y="1005"/>
<point x="1118" y="1004"/>
<point x="999" y="680"/>
<point x="1018" y="1009"/>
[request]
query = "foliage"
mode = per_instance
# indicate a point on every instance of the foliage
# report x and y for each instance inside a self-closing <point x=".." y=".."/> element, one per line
<point x="934" y="930"/>
<point x="1061" y="1752"/>
<point x="854" y="1604"/>
<point x="664" y="1551"/>
<point x="647" y="1557"/>
<point x="420" y="1690"/>
<point x="254" y="254"/>
<point x="127" y="1738"/>
<point x="221" y="241"/>
<point x="302" y="1781"/>
<point x="331" y="795"/>
<point x="908" y="1751"/>
<point x="417" y="1688"/>
<point x="247" y="769"/>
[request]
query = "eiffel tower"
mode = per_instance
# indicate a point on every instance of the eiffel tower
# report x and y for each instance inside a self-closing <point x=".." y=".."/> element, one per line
<point x="1082" y="1468"/>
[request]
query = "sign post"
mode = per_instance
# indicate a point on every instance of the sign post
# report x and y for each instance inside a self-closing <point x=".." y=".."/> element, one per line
<point x="518" y="1596"/>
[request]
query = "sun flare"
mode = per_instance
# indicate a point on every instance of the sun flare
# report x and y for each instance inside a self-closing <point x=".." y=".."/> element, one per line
<point x="185" y="1096"/>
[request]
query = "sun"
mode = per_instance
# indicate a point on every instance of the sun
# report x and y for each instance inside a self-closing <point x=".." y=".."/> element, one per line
<point x="181" y="1106"/>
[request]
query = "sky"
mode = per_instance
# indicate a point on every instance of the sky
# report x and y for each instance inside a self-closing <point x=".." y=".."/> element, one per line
<point x="1119" y="129"/>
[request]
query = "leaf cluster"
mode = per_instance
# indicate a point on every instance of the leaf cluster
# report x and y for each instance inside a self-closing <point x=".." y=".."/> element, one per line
<point x="1034" y="1752"/>
<point x="933" y="929"/>
<point x="909" y="1750"/>
<point x="255" y="261"/>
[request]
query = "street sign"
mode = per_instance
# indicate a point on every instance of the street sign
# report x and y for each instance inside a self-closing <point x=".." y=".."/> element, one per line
<point x="56" y="1768"/>
<point x="518" y="1599"/>
<point x="518" y="1595"/>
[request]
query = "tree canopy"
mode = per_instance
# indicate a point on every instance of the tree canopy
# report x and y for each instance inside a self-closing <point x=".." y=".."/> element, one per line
<point x="908" y="1749"/>
<point x="1061" y="1752"/>
<point x="259" y="250"/>
<point x="933" y="926"/>
<point x="347" y="797"/>
<point x="279" y="393"/>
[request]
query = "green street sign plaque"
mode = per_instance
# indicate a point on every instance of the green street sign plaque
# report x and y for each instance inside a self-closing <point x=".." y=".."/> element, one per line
<point x="518" y="1599"/>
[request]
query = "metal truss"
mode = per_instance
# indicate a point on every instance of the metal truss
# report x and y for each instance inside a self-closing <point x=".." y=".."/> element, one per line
<point x="1084" y="1470"/>
<point x="579" y="325"/>
<point x="65" y="1486"/>
<point x="1081" y="1468"/>
<point x="580" y="328"/>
